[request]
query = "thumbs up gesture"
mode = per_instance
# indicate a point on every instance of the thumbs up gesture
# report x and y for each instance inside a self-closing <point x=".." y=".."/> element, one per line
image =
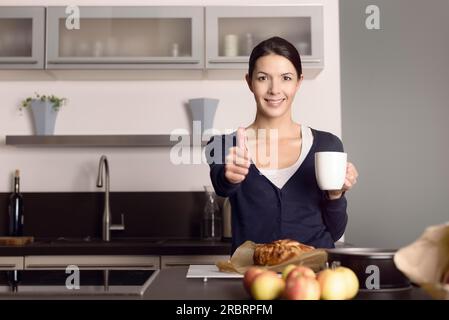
<point x="238" y="159"/>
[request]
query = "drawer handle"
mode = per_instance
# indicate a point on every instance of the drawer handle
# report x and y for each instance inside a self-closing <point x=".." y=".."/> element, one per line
<point x="8" y="265"/>
<point x="42" y="266"/>
<point x="177" y="264"/>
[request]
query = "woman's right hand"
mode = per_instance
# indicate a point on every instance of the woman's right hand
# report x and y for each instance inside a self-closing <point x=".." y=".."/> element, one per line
<point x="238" y="159"/>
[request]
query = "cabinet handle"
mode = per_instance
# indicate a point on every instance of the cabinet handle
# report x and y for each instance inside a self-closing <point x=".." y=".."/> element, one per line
<point x="245" y="60"/>
<point x="118" y="61"/>
<point x="15" y="60"/>
<point x="230" y="60"/>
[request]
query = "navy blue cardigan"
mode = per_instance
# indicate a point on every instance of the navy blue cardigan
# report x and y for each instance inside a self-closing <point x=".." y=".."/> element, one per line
<point x="261" y="212"/>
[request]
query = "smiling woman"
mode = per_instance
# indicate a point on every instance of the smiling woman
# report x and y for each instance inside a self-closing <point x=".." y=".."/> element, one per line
<point x="274" y="77"/>
<point x="265" y="193"/>
<point x="274" y="84"/>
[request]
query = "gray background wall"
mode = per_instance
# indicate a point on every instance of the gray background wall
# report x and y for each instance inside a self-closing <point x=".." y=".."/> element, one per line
<point x="395" y="110"/>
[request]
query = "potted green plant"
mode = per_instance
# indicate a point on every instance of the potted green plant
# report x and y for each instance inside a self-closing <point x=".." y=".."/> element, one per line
<point x="44" y="109"/>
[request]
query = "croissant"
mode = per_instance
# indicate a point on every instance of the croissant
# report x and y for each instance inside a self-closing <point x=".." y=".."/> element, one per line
<point x="278" y="252"/>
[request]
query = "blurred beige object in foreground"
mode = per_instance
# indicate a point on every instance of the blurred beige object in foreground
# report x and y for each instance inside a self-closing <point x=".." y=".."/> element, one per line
<point x="426" y="260"/>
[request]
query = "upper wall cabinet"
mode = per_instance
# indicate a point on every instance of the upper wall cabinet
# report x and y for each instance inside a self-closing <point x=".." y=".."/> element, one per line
<point x="22" y="31"/>
<point x="126" y="38"/>
<point x="154" y="37"/>
<point x="232" y="32"/>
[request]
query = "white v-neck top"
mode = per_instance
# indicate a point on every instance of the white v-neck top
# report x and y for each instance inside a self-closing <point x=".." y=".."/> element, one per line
<point x="280" y="176"/>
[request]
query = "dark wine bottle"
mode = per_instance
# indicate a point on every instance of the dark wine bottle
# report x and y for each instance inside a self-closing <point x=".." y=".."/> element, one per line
<point x="16" y="209"/>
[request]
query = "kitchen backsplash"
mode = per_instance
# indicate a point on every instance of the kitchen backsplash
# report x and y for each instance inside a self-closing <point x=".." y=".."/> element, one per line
<point x="79" y="214"/>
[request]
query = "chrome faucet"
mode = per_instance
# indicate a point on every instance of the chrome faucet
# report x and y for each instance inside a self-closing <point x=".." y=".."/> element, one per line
<point x="107" y="226"/>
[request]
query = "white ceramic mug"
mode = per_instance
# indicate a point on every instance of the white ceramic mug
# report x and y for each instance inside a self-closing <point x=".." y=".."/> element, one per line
<point x="330" y="169"/>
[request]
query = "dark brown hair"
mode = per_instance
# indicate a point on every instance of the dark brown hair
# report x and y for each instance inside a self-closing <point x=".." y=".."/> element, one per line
<point x="275" y="45"/>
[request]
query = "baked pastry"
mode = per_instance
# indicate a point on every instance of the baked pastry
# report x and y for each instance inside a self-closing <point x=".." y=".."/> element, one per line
<point x="279" y="251"/>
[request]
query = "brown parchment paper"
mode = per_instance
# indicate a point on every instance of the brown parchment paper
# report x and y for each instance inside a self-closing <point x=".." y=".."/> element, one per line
<point x="242" y="259"/>
<point x="426" y="260"/>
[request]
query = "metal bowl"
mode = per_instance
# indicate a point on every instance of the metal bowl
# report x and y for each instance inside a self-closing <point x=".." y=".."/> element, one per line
<point x="375" y="268"/>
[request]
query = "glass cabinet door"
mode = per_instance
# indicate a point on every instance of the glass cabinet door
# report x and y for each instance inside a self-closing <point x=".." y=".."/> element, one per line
<point x="126" y="38"/>
<point x="232" y="33"/>
<point x="22" y="37"/>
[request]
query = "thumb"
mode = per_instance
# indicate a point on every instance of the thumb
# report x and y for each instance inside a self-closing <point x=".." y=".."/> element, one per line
<point x="241" y="138"/>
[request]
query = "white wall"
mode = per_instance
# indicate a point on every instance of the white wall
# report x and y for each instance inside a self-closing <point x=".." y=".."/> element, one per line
<point x="143" y="107"/>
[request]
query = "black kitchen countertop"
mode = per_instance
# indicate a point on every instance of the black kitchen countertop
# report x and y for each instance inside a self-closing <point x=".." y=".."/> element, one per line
<point x="118" y="246"/>
<point x="122" y="246"/>
<point x="172" y="284"/>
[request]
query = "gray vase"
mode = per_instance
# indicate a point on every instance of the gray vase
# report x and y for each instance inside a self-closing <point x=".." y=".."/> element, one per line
<point x="44" y="117"/>
<point x="203" y="110"/>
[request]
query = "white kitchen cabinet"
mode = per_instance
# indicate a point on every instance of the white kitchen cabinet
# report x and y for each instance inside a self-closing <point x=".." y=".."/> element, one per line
<point x="22" y="37"/>
<point x="174" y="261"/>
<point x="131" y="37"/>
<point x="88" y="262"/>
<point x="11" y="263"/>
<point x="154" y="37"/>
<point x="233" y="31"/>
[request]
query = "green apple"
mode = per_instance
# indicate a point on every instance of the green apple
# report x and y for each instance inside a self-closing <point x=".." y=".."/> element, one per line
<point x="287" y="270"/>
<point x="267" y="286"/>
<point x="352" y="282"/>
<point x="338" y="284"/>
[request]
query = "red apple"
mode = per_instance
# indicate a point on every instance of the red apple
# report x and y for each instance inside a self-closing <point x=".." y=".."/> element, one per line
<point x="301" y="271"/>
<point x="267" y="286"/>
<point x="249" y="277"/>
<point x="302" y="288"/>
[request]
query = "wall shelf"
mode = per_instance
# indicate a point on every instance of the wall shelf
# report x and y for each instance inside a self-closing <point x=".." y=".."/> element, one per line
<point x="152" y="140"/>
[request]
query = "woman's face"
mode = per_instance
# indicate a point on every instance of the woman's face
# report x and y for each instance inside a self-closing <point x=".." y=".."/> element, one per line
<point x="274" y="84"/>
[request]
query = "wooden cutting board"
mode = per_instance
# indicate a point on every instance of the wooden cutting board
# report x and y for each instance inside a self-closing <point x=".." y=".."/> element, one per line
<point x="15" y="241"/>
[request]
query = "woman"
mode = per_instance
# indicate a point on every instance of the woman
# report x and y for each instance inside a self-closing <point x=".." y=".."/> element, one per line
<point x="277" y="198"/>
